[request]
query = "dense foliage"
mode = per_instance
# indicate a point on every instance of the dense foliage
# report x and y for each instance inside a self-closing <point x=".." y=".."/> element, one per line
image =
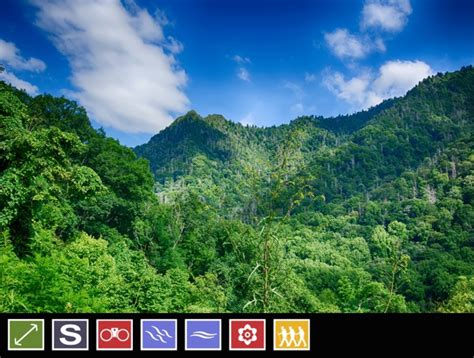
<point x="370" y="212"/>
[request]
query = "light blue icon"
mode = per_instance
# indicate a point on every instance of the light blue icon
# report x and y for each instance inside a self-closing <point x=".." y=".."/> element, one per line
<point x="158" y="334"/>
<point x="203" y="334"/>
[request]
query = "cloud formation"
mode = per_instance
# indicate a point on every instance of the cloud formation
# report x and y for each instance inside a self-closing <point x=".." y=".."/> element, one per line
<point x="243" y="74"/>
<point x="174" y="46"/>
<point x="241" y="60"/>
<point x="123" y="66"/>
<point x="378" y="16"/>
<point x="387" y="15"/>
<point x="242" y="71"/>
<point x="9" y="77"/>
<point x="10" y="57"/>
<point x="345" y="45"/>
<point x="394" y="78"/>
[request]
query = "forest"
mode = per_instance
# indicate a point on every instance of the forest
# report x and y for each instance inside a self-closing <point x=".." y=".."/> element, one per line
<point x="369" y="212"/>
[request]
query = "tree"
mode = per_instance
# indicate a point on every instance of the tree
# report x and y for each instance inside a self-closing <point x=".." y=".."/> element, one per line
<point x="390" y="258"/>
<point x="279" y="194"/>
<point x="462" y="297"/>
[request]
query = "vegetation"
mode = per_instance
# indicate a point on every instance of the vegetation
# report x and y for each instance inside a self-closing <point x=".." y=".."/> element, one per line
<point x="370" y="212"/>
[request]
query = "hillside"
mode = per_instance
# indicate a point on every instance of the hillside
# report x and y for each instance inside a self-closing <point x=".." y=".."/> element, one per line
<point x="367" y="169"/>
<point x="370" y="212"/>
<point x="346" y="152"/>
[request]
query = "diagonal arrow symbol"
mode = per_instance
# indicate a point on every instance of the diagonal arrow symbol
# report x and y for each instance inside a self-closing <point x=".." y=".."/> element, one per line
<point x="34" y="327"/>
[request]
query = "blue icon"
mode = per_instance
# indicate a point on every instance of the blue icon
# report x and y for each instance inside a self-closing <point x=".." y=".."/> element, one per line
<point x="203" y="334"/>
<point x="158" y="335"/>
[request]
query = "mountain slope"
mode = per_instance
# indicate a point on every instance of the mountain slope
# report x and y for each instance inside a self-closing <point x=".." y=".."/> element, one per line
<point x="348" y="152"/>
<point x="382" y="195"/>
<point x="435" y="113"/>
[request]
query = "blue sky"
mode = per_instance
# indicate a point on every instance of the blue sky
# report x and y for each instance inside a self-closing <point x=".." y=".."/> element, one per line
<point x="136" y="65"/>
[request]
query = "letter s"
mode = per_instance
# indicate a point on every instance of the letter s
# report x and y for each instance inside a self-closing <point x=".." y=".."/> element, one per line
<point x="66" y="331"/>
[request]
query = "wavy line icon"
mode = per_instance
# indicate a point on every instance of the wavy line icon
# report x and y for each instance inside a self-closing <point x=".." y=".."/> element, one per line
<point x="203" y="334"/>
<point x="159" y="336"/>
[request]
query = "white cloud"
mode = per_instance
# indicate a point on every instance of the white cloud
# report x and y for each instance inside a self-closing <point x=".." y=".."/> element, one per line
<point x="248" y="120"/>
<point x="354" y="90"/>
<point x="394" y="79"/>
<point x="160" y="16"/>
<point x="9" y="77"/>
<point x="310" y="77"/>
<point x="388" y="15"/>
<point x="174" y="46"/>
<point x="397" y="77"/>
<point x="148" y="28"/>
<point x="243" y="74"/>
<point x="385" y="15"/>
<point x="345" y="45"/>
<point x="10" y="56"/>
<point x="122" y="65"/>
<point x="241" y="60"/>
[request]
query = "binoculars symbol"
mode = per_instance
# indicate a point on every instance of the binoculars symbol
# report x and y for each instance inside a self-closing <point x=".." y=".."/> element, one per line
<point x="121" y="334"/>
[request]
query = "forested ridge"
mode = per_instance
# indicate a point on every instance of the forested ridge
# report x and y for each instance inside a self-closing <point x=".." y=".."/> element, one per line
<point x="370" y="212"/>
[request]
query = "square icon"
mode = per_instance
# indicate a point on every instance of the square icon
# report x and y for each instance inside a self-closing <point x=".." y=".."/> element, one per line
<point x="203" y="334"/>
<point x="247" y="334"/>
<point x="26" y="334"/>
<point x="70" y="335"/>
<point x="159" y="335"/>
<point x="114" y="334"/>
<point x="291" y="334"/>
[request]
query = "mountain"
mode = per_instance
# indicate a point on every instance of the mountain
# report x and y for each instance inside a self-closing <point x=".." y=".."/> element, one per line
<point x="362" y="149"/>
<point x="370" y="212"/>
<point x="407" y="161"/>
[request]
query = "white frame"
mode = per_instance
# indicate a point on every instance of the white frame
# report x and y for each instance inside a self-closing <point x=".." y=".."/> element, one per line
<point x="246" y="320"/>
<point x="69" y="320"/>
<point x="202" y="319"/>
<point x="291" y="349"/>
<point x="31" y="320"/>
<point x="97" y="337"/>
<point x="159" y="320"/>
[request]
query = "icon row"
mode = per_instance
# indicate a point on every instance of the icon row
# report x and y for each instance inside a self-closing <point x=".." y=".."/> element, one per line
<point x="158" y="334"/>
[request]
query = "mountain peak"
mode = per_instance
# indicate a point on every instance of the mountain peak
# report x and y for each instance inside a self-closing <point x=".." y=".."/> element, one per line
<point x="191" y="115"/>
<point x="170" y="152"/>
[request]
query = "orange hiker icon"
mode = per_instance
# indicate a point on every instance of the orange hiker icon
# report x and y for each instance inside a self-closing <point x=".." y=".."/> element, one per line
<point x="291" y="334"/>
